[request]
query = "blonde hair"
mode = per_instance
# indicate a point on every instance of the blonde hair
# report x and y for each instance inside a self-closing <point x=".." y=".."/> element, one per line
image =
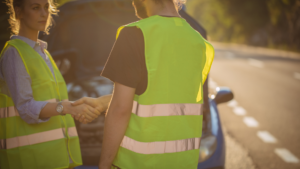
<point x="14" y="20"/>
<point x="178" y="3"/>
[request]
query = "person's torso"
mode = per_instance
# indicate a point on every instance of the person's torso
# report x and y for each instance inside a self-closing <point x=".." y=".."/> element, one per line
<point x="38" y="47"/>
<point x="166" y="121"/>
<point x="26" y="144"/>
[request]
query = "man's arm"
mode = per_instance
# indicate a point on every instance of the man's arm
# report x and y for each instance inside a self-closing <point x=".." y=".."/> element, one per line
<point x="116" y="123"/>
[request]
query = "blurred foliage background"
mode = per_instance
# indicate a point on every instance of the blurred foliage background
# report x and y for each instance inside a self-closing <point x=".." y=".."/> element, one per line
<point x="61" y="2"/>
<point x="266" y="23"/>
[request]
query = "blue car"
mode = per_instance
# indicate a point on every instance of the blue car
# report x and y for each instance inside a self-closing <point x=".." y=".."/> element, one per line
<point x="80" y="43"/>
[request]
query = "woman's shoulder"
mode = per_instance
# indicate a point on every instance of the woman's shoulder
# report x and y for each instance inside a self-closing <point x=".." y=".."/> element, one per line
<point x="10" y="56"/>
<point x="9" y="59"/>
<point x="9" y="53"/>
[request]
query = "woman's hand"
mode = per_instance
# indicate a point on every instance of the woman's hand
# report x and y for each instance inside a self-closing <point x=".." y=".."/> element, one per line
<point x="83" y="112"/>
<point x="100" y="103"/>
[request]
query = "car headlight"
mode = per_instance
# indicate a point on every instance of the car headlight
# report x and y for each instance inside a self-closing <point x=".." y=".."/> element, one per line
<point x="208" y="146"/>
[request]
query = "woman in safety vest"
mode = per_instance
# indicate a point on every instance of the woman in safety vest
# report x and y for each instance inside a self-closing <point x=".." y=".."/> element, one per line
<point x="37" y="130"/>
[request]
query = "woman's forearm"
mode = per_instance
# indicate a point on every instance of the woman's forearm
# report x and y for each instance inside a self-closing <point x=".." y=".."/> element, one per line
<point x="83" y="112"/>
<point x="50" y="109"/>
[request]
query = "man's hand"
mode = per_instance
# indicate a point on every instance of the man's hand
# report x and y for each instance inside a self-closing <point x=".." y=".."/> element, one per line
<point x="83" y="112"/>
<point x="100" y="103"/>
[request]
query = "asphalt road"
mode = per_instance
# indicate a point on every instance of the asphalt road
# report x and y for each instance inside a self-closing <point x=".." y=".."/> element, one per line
<point x="264" y="119"/>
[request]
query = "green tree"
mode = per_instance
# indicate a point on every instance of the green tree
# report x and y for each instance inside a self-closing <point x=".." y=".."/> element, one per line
<point x="61" y="2"/>
<point x="270" y="23"/>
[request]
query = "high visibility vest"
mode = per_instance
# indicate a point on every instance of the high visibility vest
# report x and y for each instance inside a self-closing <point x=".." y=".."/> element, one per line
<point x="166" y="120"/>
<point x="37" y="146"/>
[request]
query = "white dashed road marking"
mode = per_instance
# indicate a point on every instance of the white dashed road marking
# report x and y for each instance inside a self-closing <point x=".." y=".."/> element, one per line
<point x="256" y="63"/>
<point x="229" y="55"/>
<point x="239" y="111"/>
<point x="286" y="155"/>
<point x="213" y="84"/>
<point x="297" y="75"/>
<point x="250" y="122"/>
<point x="232" y="103"/>
<point x="266" y="137"/>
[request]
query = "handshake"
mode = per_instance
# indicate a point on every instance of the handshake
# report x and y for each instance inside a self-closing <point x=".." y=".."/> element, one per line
<point x="86" y="109"/>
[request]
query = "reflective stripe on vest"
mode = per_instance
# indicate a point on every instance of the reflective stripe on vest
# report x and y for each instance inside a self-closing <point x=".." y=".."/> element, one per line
<point x="163" y="146"/>
<point x="160" y="147"/>
<point x="166" y="109"/>
<point x="8" y="112"/>
<point x="36" y="138"/>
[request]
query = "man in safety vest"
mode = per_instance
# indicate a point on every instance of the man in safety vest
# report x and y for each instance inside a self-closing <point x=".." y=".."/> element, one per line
<point x="159" y="65"/>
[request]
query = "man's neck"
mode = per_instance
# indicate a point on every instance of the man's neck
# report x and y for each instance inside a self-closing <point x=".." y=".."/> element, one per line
<point x="166" y="9"/>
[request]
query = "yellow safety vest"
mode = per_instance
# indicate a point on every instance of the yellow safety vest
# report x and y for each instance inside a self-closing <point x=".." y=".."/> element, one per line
<point x="166" y="121"/>
<point x="37" y="146"/>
